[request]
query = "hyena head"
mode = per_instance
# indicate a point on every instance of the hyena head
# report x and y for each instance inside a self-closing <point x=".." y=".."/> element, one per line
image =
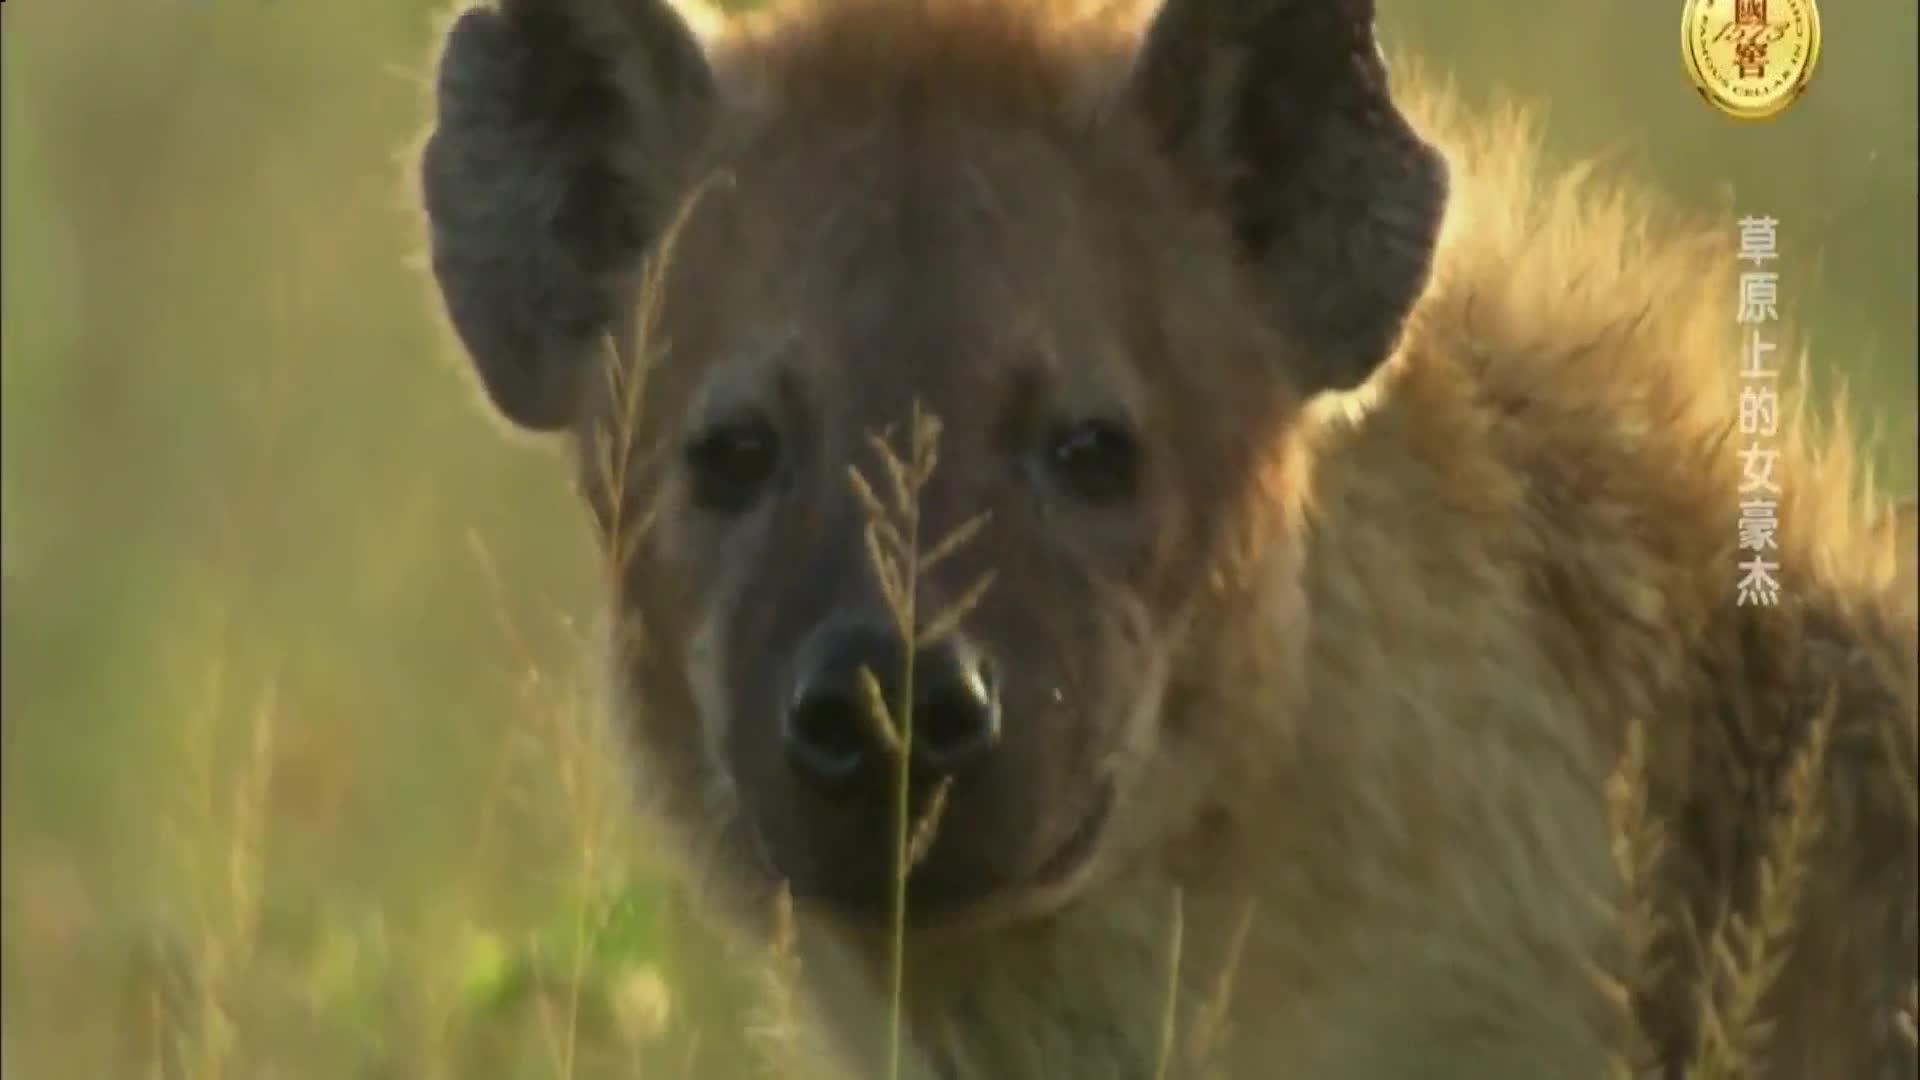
<point x="1111" y="264"/>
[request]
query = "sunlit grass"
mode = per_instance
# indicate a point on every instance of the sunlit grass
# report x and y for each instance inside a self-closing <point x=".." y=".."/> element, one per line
<point x="894" y="552"/>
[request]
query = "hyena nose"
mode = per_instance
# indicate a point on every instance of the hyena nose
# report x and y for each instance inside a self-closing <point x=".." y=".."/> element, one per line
<point x="833" y="736"/>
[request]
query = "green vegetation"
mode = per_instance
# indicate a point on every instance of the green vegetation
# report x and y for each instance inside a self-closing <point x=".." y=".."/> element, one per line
<point x="302" y="773"/>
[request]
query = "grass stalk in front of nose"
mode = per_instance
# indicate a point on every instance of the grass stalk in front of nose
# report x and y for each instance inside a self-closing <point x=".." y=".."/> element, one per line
<point x="893" y="550"/>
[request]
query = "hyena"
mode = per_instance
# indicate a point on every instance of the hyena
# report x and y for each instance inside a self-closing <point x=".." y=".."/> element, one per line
<point x="1352" y="497"/>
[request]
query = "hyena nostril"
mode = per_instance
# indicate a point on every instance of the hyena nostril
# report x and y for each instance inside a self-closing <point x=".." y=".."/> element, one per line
<point x="827" y="737"/>
<point x="830" y="736"/>
<point x="957" y="711"/>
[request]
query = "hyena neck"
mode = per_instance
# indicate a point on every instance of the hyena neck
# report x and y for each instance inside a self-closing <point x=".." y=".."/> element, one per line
<point x="1426" y="720"/>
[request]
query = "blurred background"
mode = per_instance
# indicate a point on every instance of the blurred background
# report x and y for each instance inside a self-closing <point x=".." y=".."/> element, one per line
<point x="300" y="773"/>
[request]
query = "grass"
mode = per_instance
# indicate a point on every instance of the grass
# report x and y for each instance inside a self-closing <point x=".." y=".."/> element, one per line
<point x="1746" y="954"/>
<point x="1741" y="956"/>
<point x="303" y="767"/>
<point x="894" y="553"/>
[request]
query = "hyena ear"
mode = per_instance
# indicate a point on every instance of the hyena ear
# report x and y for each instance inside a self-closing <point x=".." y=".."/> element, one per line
<point x="552" y="161"/>
<point x="1279" y="112"/>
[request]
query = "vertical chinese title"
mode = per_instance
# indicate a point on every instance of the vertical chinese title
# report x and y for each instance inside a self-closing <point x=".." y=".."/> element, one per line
<point x="1759" y="413"/>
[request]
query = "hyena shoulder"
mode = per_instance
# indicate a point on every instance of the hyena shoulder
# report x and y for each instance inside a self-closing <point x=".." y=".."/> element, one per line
<point x="1533" y="515"/>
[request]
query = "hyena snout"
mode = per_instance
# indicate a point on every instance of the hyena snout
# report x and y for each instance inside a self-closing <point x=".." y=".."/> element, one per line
<point x="832" y="735"/>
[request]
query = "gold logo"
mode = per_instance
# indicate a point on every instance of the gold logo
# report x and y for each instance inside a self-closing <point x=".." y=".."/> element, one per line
<point x="1750" y="58"/>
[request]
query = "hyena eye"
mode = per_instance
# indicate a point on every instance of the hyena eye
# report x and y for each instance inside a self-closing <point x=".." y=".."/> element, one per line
<point x="732" y="463"/>
<point x="1096" y="460"/>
